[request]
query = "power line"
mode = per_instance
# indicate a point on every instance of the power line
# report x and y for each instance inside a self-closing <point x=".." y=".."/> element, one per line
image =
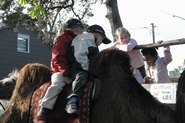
<point x="138" y="28"/>
<point x="152" y="30"/>
<point x="173" y="15"/>
<point x="179" y="17"/>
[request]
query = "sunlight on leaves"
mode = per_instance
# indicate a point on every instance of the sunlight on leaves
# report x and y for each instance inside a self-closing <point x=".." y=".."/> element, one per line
<point x="22" y="2"/>
<point x="37" y="9"/>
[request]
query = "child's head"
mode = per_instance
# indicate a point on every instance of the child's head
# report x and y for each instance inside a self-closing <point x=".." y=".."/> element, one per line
<point x="122" y="35"/>
<point x="72" y="24"/>
<point x="75" y="25"/>
<point x="99" y="34"/>
<point x="149" y="55"/>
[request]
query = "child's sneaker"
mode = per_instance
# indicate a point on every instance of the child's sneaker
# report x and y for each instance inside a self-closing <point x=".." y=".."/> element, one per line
<point x="71" y="108"/>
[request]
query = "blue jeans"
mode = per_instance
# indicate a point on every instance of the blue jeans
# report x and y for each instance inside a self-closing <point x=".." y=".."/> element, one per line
<point x="80" y="79"/>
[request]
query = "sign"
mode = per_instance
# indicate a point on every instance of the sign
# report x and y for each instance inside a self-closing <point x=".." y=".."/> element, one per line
<point x="164" y="92"/>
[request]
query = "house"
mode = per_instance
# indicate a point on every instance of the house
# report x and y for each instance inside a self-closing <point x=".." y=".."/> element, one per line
<point x="19" y="48"/>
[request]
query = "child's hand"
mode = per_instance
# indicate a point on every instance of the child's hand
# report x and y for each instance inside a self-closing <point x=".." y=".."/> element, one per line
<point x="113" y="46"/>
<point x="147" y="80"/>
<point x="159" y="42"/>
<point x="115" y="43"/>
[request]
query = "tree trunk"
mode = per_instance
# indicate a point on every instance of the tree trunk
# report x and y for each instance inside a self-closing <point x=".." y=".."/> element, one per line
<point x="113" y="15"/>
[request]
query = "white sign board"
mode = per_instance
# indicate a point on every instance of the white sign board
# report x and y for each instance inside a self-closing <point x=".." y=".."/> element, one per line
<point x="165" y="93"/>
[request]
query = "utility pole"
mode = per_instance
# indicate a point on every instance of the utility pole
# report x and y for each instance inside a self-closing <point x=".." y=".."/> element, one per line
<point x="153" y="32"/>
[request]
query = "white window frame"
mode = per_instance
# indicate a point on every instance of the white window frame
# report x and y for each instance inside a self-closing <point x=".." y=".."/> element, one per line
<point x="25" y="40"/>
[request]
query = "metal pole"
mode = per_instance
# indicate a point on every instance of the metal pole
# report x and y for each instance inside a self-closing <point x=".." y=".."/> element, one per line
<point x="153" y="32"/>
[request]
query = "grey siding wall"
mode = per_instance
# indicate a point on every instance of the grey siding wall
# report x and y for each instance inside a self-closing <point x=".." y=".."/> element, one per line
<point x="10" y="58"/>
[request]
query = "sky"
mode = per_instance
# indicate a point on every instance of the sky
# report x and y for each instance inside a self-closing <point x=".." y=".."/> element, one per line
<point x="168" y="17"/>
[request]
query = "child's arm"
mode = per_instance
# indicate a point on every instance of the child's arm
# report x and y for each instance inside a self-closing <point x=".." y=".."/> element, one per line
<point x="127" y="47"/>
<point x="113" y="46"/>
<point x="131" y="44"/>
<point x="167" y="55"/>
<point x="148" y="80"/>
<point x="81" y="54"/>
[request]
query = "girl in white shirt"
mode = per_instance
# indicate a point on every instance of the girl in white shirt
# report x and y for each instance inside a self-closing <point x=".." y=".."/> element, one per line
<point x="127" y="44"/>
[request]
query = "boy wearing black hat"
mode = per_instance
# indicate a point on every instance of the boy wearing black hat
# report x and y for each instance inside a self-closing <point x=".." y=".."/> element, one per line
<point x="84" y="48"/>
<point x="59" y="66"/>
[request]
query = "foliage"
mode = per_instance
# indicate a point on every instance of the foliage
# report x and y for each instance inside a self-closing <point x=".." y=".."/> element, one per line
<point x="179" y="69"/>
<point x="44" y="16"/>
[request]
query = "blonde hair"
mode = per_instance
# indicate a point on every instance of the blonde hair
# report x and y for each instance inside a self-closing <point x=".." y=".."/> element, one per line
<point x="60" y="32"/>
<point x="121" y="30"/>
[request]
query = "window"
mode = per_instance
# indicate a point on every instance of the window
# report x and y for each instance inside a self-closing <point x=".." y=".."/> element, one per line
<point x="23" y="43"/>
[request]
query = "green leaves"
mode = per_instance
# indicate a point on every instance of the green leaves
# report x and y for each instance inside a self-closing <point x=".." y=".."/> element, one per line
<point x="179" y="69"/>
<point x="37" y="9"/>
<point x="46" y="16"/>
<point x="176" y="72"/>
<point x="22" y="2"/>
